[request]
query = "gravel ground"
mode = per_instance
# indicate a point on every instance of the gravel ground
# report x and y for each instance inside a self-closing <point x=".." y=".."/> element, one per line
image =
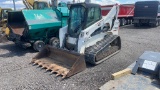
<point x="16" y="73"/>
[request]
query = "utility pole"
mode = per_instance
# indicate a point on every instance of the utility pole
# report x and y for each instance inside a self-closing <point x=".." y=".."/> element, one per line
<point x="14" y="5"/>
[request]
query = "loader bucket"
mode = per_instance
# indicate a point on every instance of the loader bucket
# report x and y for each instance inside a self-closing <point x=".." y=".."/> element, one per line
<point x="59" y="61"/>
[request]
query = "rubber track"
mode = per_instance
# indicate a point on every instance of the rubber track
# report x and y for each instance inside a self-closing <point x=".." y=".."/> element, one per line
<point x="102" y="49"/>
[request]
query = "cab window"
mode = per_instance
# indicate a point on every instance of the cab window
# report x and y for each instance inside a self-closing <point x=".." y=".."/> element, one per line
<point x="40" y="5"/>
<point x="5" y="13"/>
<point x="93" y="15"/>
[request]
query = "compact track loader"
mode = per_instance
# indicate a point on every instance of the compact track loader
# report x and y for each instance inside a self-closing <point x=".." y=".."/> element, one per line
<point x="89" y="37"/>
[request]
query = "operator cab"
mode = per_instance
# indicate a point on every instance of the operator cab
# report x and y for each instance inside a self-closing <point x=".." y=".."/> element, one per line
<point x="4" y="13"/>
<point x="4" y="16"/>
<point x="82" y="15"/>
<point x="40" y="5"/>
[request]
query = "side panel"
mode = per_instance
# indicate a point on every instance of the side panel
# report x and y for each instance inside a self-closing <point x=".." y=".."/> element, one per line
<point x="62" y="33"/>
<point x="43" y="34"/>
<point x="105" y="9"/>
<point x="41" y="18"/>
<point x="126" y="10"/>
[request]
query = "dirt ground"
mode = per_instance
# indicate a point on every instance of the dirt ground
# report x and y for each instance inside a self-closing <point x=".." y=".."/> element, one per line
<point x="16" y="73"/>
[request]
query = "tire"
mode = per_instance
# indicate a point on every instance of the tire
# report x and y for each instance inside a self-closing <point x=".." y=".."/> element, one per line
<point x="135" y="25"/>
<point x="127" y="21"/>
<point x="154" y="24"/>
<point x="120" y="20"/>
<point x="54" y="42"/>
<point x="38" y="45"/>
<point x="151" y="25"/>
<point x="124" y="22"/>
<point x="130" y="21"/>
<point x="157" y="24"/>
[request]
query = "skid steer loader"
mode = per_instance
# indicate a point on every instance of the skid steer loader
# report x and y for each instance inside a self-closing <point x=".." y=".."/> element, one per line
<point x="88" y="37"/>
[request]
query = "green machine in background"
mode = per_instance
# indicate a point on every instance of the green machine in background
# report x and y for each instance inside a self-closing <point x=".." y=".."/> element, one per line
<point x="37" y="27"/>
<point x="3" y="15"/>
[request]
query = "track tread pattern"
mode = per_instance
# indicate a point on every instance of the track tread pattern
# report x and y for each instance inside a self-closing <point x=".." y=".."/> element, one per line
<point x="101" y="49"/>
